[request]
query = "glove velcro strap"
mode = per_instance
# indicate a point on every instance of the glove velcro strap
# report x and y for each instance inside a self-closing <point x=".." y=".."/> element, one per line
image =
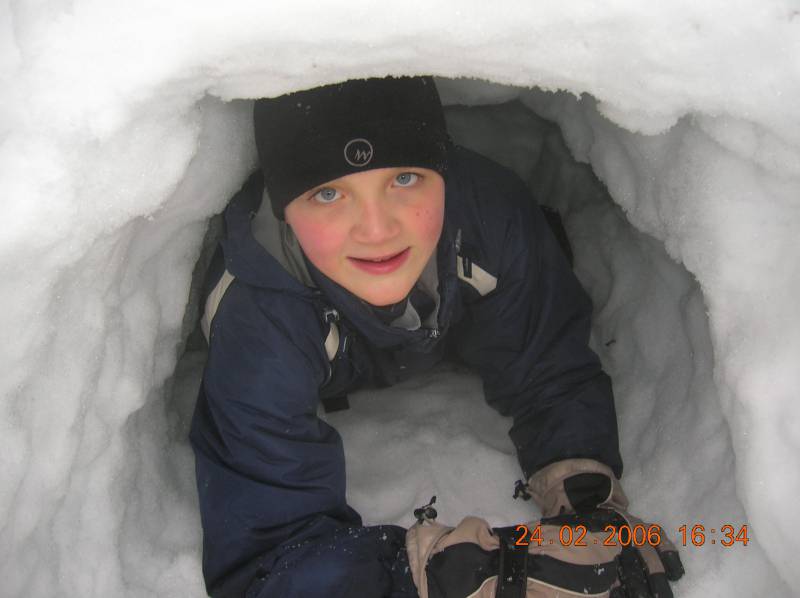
<point x="512" y="570"/>
<point x="576" y="485"/>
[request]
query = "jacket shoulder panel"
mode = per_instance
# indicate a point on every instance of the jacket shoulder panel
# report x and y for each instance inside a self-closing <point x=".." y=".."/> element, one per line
<point x="475" y="276"/>
<point x="331" y="342"/>
<point x="487" y="202"/>
<point x="256" y="319"/>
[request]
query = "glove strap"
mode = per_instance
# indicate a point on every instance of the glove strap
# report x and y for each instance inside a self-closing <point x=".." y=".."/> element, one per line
<point x="512" y="579"/>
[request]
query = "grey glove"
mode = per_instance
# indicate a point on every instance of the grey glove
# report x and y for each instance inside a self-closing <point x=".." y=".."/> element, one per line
<point x="583" y="489"/>
<point x="587" y="544"/>
<point x="473" y="560"/>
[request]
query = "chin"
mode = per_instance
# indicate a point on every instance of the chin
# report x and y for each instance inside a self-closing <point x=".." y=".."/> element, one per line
<point x="380" y="298"/>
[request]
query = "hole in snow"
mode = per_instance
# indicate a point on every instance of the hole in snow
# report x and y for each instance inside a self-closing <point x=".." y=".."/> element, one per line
<point x="650" y="330"/>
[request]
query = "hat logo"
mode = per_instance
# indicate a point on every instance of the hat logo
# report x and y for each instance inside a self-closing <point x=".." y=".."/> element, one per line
<point x="358" y="152"/>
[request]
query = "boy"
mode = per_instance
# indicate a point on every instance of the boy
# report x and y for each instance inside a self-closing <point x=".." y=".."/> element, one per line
<point x="367" y="249"/>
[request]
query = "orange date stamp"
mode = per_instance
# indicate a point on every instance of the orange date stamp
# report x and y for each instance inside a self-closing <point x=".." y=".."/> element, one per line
<point x="726" y="535"/>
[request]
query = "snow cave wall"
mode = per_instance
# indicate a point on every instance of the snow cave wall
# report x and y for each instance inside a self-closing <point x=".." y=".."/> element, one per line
<point x="123" y="131"/>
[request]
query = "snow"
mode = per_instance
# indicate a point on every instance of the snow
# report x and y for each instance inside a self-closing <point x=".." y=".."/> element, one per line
<point x="125" y="127"/>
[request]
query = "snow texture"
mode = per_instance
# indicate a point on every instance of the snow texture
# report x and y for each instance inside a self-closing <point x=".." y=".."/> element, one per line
<point x="125" y="127"/>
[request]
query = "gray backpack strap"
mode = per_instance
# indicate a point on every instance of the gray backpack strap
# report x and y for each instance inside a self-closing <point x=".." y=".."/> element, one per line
<point x="212" y="303"/>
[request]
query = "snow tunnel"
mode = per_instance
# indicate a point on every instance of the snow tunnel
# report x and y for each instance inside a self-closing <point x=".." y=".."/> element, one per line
<point x="667" y="138"/>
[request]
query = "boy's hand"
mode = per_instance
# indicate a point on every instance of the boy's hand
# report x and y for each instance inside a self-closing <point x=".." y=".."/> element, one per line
<point x="584" y="489"/>
<point x="474" y="560"/>
<point x="565" y="555"/>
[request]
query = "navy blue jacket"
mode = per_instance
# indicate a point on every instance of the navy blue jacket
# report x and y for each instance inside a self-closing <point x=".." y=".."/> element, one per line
<point x="271" y="474"/>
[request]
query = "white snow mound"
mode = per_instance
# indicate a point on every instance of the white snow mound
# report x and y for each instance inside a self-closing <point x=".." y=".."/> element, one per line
<point x="124" y="127"/>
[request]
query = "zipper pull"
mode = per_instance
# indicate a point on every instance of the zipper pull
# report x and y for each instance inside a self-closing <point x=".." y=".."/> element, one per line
<point x="433" y="333"/>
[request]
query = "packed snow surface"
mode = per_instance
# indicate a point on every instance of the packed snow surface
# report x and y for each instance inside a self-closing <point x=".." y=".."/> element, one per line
<point x="125" y="126"/>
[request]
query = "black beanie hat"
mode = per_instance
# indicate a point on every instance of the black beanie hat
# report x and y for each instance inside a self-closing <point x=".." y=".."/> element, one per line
<point x="310" y="137"/>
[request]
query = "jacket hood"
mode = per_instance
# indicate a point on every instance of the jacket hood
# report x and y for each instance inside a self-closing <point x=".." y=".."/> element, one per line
<point x="247" y="259"/>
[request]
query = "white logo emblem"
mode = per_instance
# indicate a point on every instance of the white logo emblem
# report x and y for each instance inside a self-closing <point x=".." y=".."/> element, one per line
<point x="358" y="152"/>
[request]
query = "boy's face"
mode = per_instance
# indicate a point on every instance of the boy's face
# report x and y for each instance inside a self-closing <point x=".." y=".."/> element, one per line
<point x="390" y="214"/>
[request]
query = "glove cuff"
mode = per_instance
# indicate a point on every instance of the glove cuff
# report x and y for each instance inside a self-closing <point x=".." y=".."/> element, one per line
<point x="424" y="540"/>
<point x="575" y="485"/>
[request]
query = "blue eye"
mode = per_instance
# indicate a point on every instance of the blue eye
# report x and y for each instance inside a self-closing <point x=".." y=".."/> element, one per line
<point x="406" y="179"/>
<point x="326" y="195"/>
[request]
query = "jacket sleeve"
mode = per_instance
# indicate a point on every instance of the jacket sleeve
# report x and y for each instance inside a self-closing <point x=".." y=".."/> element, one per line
<point x="270" y="473"/>
<point x="528" y="339"/>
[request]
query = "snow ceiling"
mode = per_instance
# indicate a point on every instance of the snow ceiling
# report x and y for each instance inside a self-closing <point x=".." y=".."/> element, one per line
<point x="124" y="128"/>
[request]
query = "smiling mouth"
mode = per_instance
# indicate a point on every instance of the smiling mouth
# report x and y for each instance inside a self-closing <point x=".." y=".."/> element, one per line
<point x="383" y="258"/>
<point x="382" y="264"/>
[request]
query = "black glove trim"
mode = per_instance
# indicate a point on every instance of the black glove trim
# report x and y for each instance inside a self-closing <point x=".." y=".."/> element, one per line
<point x="582" y="579"/>
<point x="586" y="491"/>
<point x="672" y="564"/>
<point x="595" y="521"/>
<point x="459" y="570"/>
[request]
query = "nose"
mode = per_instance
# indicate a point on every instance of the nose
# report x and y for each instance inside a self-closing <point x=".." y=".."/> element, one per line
<point x="375" y="222"/>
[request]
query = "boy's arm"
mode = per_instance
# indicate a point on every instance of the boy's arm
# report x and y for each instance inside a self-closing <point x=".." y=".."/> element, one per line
<point x="270" y="474"/>
<point x="529" y="341"/>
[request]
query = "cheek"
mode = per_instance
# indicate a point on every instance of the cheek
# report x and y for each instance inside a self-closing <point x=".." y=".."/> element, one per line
<point x="320" y="241"/>
<point x="428" y="220"/>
